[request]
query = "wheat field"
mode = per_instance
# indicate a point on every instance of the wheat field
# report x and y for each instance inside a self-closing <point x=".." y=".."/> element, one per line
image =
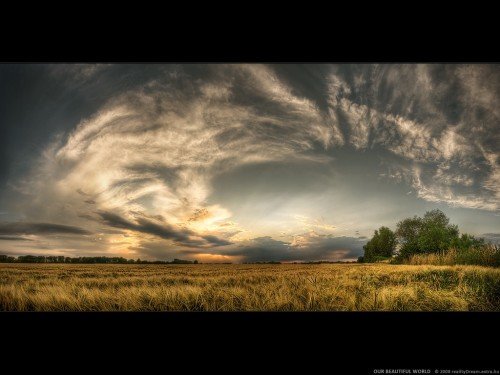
<point x="280" y="287"/>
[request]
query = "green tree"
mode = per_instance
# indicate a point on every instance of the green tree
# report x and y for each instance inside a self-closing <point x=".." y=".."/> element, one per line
<point x="407" y="233"/>
<point x="430" y="234"/>
<point x="382" y="245"/>
<point x="467" y="241"/>
<point x="436" y="234"/>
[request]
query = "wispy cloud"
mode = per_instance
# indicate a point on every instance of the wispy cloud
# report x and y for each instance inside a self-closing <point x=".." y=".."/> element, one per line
<point x="445" y="145"/>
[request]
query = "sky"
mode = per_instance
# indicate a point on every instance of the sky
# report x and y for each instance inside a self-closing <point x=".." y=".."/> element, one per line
<point x="242" y="162"/>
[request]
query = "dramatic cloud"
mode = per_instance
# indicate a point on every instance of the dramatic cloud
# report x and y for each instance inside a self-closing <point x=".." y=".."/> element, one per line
<point x="184" y="237"/>
<point x="241" y="160"/>
<point x="306" y="247"/>
<point x="39" y="228"/>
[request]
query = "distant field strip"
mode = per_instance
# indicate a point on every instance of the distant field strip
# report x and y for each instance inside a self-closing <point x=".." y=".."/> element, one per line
<point x="282" y="287"/>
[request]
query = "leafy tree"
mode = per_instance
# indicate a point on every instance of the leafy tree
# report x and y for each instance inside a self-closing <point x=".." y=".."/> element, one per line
<point x="382" y="245"/>
<point x="407" y="233"/>
<point x="467" y="241"/>
<point x="436" y="234"/>
<point x="386" y="242"/>
<point x="430" y="234"/>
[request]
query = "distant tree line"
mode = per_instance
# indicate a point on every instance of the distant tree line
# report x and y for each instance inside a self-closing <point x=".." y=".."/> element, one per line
<point x="86" y="260"/>
<point x="431" y="233"/>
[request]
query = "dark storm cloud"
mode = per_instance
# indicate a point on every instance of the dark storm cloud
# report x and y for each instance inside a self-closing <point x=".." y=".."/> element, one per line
<point x="216" y="241"/>
<point x="116" y="221"/>
<point x="262" y="249"/>
<point x="12" y="238"/>
<point x="160" y="251"/>
<point x="39" y="228"/>
<point x="328" y="247"/>
<point x="306" y="248"/>
<point x="184" y="237"/>
<point x="312" y="248"/>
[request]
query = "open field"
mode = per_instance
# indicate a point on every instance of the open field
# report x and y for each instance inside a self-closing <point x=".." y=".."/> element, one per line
<point x="282" y="287"/>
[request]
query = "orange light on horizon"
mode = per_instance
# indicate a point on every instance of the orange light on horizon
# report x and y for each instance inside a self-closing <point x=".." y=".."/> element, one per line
<point x="217" y="258"/>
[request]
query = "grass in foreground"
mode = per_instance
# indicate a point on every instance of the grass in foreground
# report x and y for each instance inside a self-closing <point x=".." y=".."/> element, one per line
<point x="294" y="287"/>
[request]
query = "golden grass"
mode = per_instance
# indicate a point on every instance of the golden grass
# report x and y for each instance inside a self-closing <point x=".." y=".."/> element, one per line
<point x="487" y="255"/>
<point x="282" y="287"/>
